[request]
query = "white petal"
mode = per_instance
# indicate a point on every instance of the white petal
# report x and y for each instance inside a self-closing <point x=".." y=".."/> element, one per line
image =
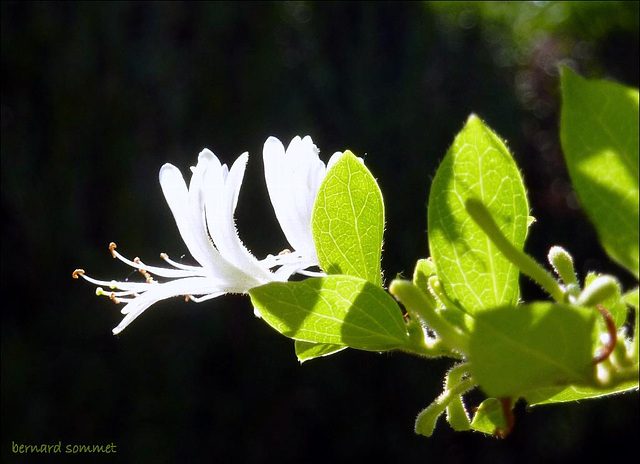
<point x="221" y="198"/>
<point x="293" y="180"/>
<point x="188" y="207"/>
<point x="179" y="201"/>
<point x="195" y="285"/>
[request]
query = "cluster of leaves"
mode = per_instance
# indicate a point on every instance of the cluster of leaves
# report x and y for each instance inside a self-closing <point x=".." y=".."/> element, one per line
<point x="464" y="301"/>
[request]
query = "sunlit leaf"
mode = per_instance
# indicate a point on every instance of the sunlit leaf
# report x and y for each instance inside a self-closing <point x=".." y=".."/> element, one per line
<point x="348" y="221"/>
<point x="513" y="350"/>
<point x="306" y="351"/>
<point x="489" y="417"/>
<point x="632" y="298"/>
<point x="478" y="165"/>
<point x="574" y="393"/>
<point x="599" y="131"/>
<point x="337" y="310"/>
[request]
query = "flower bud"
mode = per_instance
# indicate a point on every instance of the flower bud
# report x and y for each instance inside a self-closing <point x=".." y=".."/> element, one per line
<point x="562" y="263"/>
<point x="600" y="289"/>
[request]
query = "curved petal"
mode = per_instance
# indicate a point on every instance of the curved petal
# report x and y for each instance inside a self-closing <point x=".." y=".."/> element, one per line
<point x="177" y="196"/>
<point x="190" y="285"/>
<point x="293" y="178"/>
<point x="221" y="198"/>
<point x="334" y="158"/>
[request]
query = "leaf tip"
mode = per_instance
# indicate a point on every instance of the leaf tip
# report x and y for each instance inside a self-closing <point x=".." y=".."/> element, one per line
<point x="473" y="119"/>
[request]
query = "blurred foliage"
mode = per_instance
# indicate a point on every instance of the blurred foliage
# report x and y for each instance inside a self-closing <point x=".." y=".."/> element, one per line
<point x="97" y="96"/>
<point x="528" y="21"/>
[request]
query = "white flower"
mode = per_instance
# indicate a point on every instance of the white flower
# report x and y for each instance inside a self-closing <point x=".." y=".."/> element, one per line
<point x="204" y="214"/>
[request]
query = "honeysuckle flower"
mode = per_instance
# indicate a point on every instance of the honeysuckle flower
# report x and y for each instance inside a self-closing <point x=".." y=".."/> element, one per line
<point x="204" y="214"/>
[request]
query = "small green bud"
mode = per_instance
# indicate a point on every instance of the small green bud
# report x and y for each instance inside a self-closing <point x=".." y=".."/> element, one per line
<point x="436" y="287"/>
<point x="600" y="289"/>
<point x="562" y="263"/>
<point x="425" y="268"/>
<point x="572" y="290"/>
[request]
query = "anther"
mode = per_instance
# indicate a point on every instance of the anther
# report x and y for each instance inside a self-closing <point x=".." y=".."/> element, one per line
<point x="164" y="255"/>
<point x="186" y="298"/>
<point x="143" y="271"/>
<point x="286" y="251"/>
<point x="76" y="273"/>
<point x="113" y="298"/>
<point x="112" y="247"/>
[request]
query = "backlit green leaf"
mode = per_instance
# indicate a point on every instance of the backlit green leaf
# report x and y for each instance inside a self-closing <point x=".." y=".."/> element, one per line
<point x="306" y="351"/>
<point x="337" y="310"/>
<point x="513" y="350"/>
<point x="574" y="393"/>
<point x="631" y="298"/>
<point x="489" y="417"/>
<point x="599" y="131"/>
<point x="348" y="221"/>
<point x="478" y="165"/>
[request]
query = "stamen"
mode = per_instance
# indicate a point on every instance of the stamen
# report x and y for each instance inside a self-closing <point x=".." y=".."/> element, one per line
<point x="128" y="287"/>
<point x="113" y="298"/>
<point x="182" y="271"/>
<point x="112" y="247"/>
<point x="204" y="297"/>
<point x="178" y="265"/>
<point x="100" y="292"/>
<point x="76" y="273"/>
<point x="142" y="271"/>
<point x="310" y="273"/>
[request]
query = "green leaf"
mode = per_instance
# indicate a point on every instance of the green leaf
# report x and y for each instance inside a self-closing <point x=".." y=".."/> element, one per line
<point x="307" y="350"/>
<point x="348" y="221"/>
<point x="338" y="310"/>
<point x="632" y="298"/>
<point x="574" y="393"/>
<point x="513" y="350"/>
<point x="552" y="395"/>
<point x="489" y="417"/>
<point x="599" y="132"/>
<point x="473" y="271"/>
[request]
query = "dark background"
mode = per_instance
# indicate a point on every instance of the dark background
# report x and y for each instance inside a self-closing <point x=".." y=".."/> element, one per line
<point x="97" y="96"/>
